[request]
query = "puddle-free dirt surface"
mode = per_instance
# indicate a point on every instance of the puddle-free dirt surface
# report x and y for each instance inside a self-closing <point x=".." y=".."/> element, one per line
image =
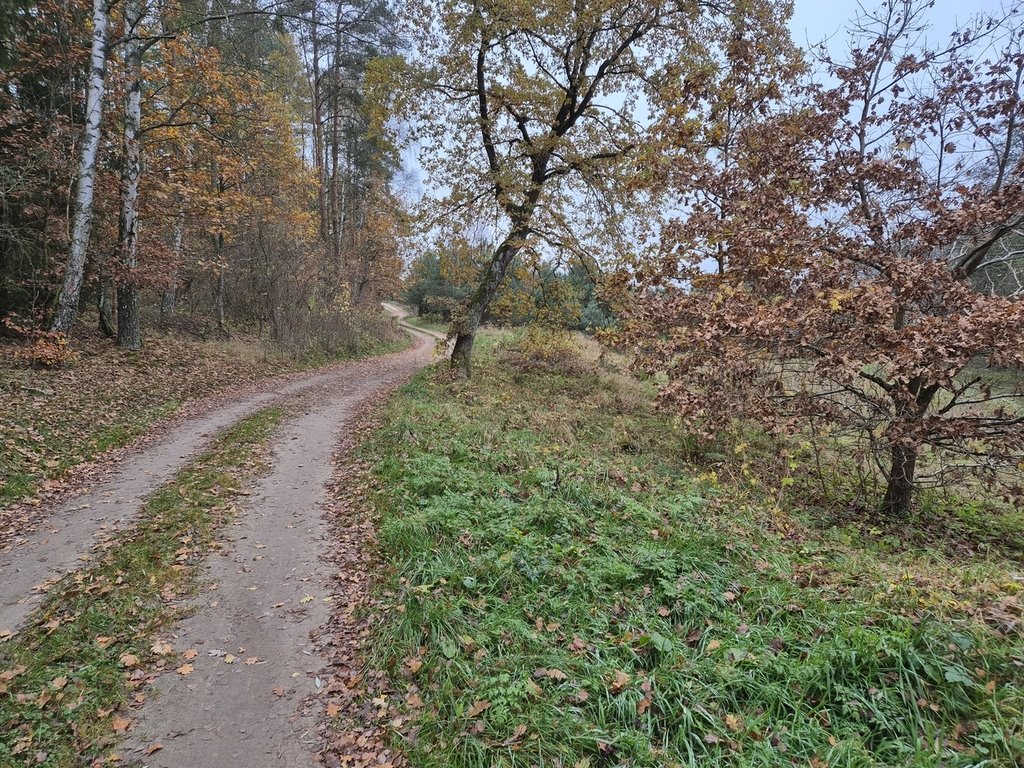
<point x="254" y="663"/>
<point x="254" y="667"/>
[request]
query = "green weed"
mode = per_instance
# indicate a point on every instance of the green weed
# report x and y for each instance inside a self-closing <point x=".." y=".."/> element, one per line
<point x="568" y="591"/>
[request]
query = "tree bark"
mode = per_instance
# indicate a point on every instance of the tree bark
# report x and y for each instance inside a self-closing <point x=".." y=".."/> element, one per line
<point x="335" y="121"/>
<point x="466" y="328"/>
<point x="105" y="302"/>
<point x="219" y="298"/>
<point x="129" y="326"/>
<point x="899" y="490"/>
<point x="317" y="118"/>
<point x="74" y="271"/>
<point x="169" y="300"/>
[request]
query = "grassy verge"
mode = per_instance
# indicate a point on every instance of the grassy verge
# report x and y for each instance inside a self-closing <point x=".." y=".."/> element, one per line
<point x="427" y="324"/>
<point x="81" y="659"/>
<point x="568" y="590"/>
<point x="53" y="420"/>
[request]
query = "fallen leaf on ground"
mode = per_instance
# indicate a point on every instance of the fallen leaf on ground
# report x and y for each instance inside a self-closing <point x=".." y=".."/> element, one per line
<point x="517" y="734"/>
<point x="161" y="648"/>
<point x="621" y="681"/>
<point x="12" y="673"/>
<point x="184" y="669"/>
<point x="479" y="706"/>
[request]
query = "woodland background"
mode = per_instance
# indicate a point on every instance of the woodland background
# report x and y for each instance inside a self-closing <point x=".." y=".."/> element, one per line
<point x="820" y="244"/>
<point x="244" y="192"/>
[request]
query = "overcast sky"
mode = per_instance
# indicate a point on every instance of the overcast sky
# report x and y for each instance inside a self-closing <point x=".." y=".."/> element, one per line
<point x="816" y="20"/>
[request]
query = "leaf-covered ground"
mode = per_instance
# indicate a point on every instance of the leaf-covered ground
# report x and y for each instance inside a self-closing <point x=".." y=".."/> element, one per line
<point x="69" y="679"/>
<point x="53" y="420"/>
<point x="564" y="589"/>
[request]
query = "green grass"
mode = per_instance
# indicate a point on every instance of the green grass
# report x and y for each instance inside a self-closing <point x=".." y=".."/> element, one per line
<point x="428" y="323"/>
<point x="539" y="523"/>
<point x="364" y="346"/>
<point x="72" y="672"/>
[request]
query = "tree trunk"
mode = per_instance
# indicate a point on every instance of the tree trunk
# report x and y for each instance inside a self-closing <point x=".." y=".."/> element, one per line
<point x="899" y="491"/>
<point x="219" y="298"/>
<point x="317" y="117"/>
<point x="169" y="300"/>
<point x="74" y="271"/>
<point x="105" y="303"/>
<point x="465" y="329"/>
<point x="335" y="121"/>
<point x="129" y="326"/>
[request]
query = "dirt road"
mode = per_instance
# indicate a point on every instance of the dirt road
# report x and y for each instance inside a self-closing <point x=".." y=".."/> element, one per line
<point x="271" y="583"/>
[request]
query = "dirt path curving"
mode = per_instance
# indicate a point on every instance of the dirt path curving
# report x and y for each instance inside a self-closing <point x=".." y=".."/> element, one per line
<point x="272" y="591"/>
<point x="69" y="533"/>
<point x="254" y="666"/>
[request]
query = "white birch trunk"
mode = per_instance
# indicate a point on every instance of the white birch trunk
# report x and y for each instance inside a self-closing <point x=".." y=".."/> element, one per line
<point x="170" y="297"/>
<point x="129" y="327"/>
<point x="74" y="271"/>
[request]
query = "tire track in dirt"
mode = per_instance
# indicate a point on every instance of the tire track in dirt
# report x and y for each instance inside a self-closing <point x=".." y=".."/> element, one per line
<point x="66" y="538"/>
<point x="272" y="593"/>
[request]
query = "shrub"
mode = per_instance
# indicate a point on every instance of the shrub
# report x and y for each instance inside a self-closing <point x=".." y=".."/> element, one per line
<point x="40" y="349"/>
<point x="546" y="350"/>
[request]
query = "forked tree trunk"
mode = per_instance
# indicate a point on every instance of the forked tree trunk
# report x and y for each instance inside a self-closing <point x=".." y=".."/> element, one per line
<point x="74" y="271"/>
<point x="129" y="325"/>
<point x="899" y="489"/>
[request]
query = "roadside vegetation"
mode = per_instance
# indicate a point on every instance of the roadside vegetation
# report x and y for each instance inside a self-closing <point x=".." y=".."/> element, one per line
<point x="70" y="677"/>
<point x="434" y="323"/>
<point x="571" y="583"/>
<point x="55" y="419"/>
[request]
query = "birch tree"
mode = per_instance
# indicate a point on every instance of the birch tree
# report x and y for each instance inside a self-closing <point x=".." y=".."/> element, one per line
<point x="74" y="270"/>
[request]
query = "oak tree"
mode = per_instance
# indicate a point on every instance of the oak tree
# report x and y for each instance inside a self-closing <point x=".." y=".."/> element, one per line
<point x="858" y="209"/>
<point x="529" y="114"/>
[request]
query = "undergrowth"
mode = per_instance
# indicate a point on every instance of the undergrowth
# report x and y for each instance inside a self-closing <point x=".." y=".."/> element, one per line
<point x="567" y="590"/>
<point x="64" y="677"/>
